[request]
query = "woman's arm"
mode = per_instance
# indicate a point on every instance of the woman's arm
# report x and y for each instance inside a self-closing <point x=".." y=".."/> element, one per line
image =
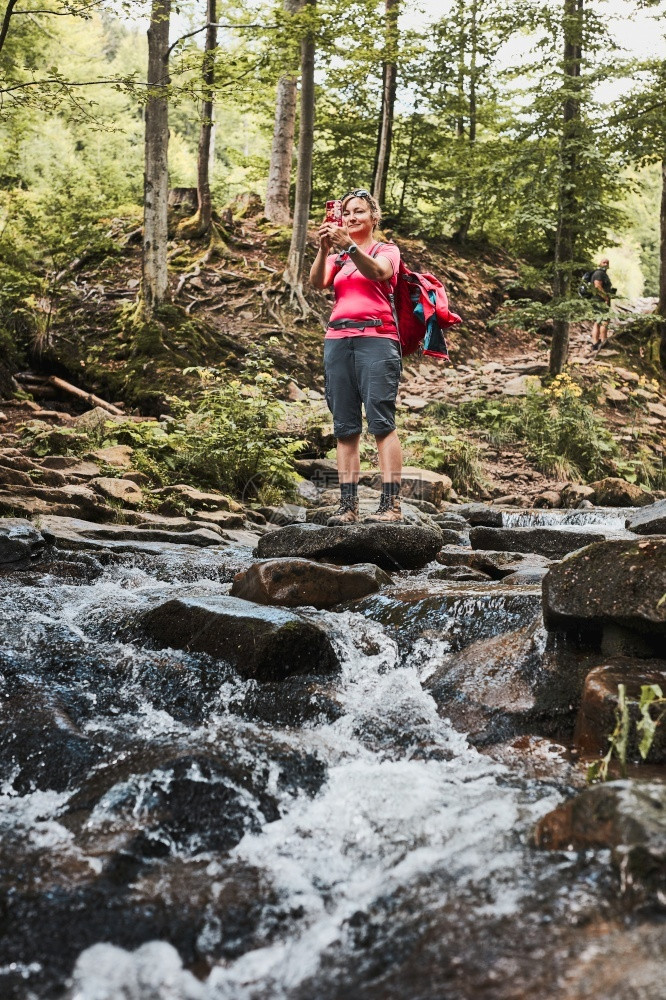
<point x="318" y="273"/>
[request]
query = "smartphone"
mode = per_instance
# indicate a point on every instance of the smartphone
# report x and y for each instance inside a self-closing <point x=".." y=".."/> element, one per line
<point x="334" y="212"/>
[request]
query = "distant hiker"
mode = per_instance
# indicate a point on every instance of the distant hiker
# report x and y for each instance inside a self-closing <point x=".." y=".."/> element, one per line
<point x="602" y="288"/>
<point x="362" y="359"/>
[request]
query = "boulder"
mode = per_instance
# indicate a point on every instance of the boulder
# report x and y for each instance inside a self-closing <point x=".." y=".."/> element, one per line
<point x="119" y="455"/>
<point x="651" y="520"/>
<point x="549" y="499"/>
<point x="293" y="582"/>
<point x="19" y="539"/>
<point x="551" y="542"/>
<point x="221" y="518"/>
<point x="626" y="816"/>
<point x="264" y="644"/>
<point x="95" y="421"/>
<point x="620" y="582"/>
<point x="573" y="493"/>
<point x="496" y="564"/>
<point x="615" y="492"/>
<point x="422" y="484"/>
<point x="480" y="514"/>
<point x="323" y="472"/>
<point x="123" y="490"/>
<point x="597" y="715"/>
<point x="390" y="546"/>
<point x="452" y="537"/>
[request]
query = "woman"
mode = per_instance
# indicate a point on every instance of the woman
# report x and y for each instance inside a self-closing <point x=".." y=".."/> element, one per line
<point x="362" y="361"/>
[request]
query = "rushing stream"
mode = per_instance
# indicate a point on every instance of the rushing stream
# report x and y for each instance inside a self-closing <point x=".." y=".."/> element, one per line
<point x="369" y="852"/>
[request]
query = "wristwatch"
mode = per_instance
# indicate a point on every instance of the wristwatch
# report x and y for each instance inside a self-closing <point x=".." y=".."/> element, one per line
<point x="351" y="249"/>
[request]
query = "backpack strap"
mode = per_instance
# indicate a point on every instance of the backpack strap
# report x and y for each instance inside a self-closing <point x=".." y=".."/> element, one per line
<point x="389" y="293"/>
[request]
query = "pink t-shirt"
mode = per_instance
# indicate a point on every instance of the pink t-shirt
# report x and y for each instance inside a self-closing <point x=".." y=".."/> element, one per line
<point x="357" y="297"/>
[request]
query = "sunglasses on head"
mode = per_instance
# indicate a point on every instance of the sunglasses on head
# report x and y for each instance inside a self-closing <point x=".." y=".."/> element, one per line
<point x="359" y="193"/>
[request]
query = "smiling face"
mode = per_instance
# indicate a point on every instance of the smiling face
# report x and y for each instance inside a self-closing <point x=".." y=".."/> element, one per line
<point x="358" y="218"/>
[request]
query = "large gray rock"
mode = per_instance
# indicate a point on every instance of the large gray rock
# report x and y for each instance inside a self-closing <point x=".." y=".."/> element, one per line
<point x="390" y="546"/>
<point x="19" y="539"/>
<point x="479" y="513"/>
<point x="551" y="542"/>
<point x="627" y="817"/>
<point x="615" y="582"/>
<point x="293" y="582"/>
<point x="650" y="520"/>
<point x="262" y="643"/>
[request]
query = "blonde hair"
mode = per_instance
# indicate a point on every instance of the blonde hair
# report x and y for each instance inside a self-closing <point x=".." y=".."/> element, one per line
<point x="373" y="204"/>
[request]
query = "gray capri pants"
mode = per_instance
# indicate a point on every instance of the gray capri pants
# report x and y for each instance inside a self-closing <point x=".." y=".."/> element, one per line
<point x="362" y="370"/>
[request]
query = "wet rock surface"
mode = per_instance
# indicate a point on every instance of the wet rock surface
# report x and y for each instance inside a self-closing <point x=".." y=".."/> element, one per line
<point x="649" y="521"/>
<point x="627" y="817"/>
<point x="554" y="543"/>
<point x="599" y="705"/>
<point x="294" y="582"/>
<point x="261" y="643"/>
<point x="389" y="546"/>
<point x="19" y="539"/>
<point x="611" y="582"/>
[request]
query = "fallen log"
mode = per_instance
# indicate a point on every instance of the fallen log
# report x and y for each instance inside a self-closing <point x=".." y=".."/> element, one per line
<point x="89" y="397"/>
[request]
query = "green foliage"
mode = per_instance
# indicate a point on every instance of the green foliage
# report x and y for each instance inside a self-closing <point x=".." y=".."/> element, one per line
<point x="448" y="453"/>
<point x="646" y="725"/>
<point x="228" y="439"/>
<point x="563" y="434"/>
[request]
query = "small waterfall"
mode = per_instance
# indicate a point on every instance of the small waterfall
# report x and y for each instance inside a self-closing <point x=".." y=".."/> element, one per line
<point x="608" y="518"/>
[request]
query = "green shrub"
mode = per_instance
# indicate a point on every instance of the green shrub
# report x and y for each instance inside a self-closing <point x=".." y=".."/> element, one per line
<point x="563" y="434"/>
<point x="447" y="453"/>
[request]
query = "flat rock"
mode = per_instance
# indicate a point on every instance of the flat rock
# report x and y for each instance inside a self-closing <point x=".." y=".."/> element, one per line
<point x="19" y="539"/>
<point x="118" y="489"/>
<point x="73" y="533"/>
<point x="264" y="644"/>
<point x="616" y="492"/>
<point x="459" y="573"/>
<point x="222" y="518"/>
<point x="496" y="564"/>
<point x="649" y="521"/>
<point x="119" y="455"/>
<point x="422" y="484"/>
<point x="183" y="495"/>
<point x="323" y="472"/>
<point x="95" y="420"/>
<point x="599" y="705"/>
<point x="619" y="582"/>
<point x="528" y="576"/>
<point x="629" y="817"/>
<point x="553" y="542"/>
<point x="389" y="546"/>
<point x="293" y="582"/>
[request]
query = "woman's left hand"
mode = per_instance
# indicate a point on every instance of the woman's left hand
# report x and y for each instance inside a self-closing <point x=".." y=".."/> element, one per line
<point x="338" y="236"/>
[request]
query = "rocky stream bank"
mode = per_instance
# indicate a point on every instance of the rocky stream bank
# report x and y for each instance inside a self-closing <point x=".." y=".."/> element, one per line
<point x="245" y="755"/>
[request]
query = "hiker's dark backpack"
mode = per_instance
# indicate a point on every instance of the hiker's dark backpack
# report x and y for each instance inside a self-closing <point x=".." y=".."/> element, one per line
<point x="421" y="311"/>
<point x="585" y="287"/>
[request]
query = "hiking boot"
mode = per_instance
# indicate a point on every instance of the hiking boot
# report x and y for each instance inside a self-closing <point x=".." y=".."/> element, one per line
<point x="388" y="511"/>
<point x="347" y="512"/>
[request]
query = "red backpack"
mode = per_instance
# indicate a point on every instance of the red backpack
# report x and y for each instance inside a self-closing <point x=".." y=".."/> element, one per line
<point x="421" y="311"/>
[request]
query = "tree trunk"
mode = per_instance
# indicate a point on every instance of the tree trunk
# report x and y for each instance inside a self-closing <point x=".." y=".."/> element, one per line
<point x="461" y="233"/>
<point x="293" y="274"/>
<point x="279" y="172"/>
<point x="408" y="165"/>
<point x="204" y="203"/>
<point x="154" y="286"/>
<point x="389" y="84"/>
<point x="661" y="308"/>
<point x="567" y="222"/>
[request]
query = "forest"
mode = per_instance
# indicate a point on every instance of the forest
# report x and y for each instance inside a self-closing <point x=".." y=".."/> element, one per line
<point x="254" y="745"/>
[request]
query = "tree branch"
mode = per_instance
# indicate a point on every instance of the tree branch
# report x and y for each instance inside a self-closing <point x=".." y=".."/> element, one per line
<point x="212" y="24"/>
